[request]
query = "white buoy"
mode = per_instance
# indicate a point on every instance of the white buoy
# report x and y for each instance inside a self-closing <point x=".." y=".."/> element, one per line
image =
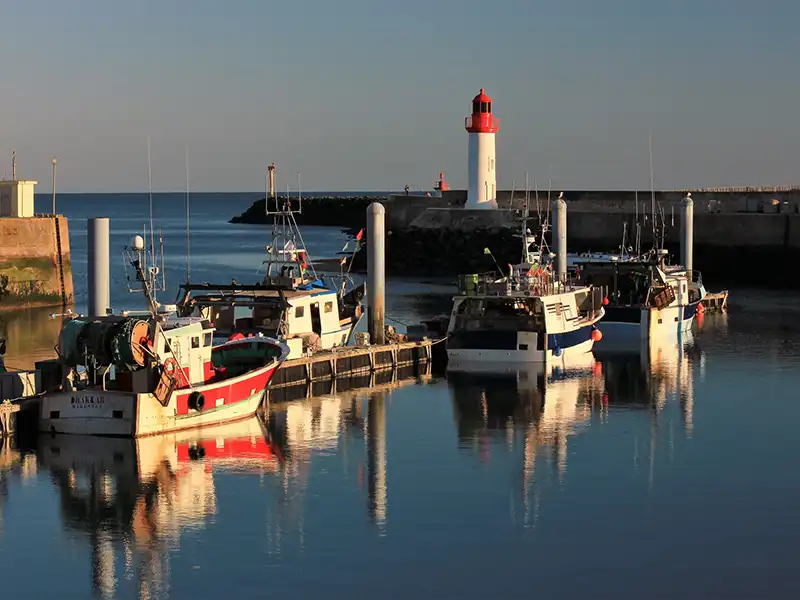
<point x="560" y="235"/>
<point x="482" y="126"/>
<point x="687" y="232"/>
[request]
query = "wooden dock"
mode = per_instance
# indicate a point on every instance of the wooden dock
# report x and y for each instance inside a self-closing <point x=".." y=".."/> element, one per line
<point x="716" y="301"/>
<point x="350" y="361"/>
<point x="365" y="383"/>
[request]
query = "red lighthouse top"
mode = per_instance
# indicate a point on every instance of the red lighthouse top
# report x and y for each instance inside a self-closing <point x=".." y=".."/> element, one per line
<point x="482" y="120"/>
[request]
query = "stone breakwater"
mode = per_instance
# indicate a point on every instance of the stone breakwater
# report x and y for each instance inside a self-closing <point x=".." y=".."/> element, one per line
<point x="332" y="211"/>
<point x="34" y="270"/>
<point x="743" y="236"/>
<point x="732" y="249"/>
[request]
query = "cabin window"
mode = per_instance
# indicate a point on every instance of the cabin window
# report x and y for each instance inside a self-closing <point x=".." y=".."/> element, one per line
<point x="328" y="307"/>
<point x="207" y="339"/>
<point x="299" y="312"/>
<point x="195" y="342"/>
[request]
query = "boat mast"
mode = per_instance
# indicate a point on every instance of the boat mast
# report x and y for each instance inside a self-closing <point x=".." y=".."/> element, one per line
<point x="188" y="270"/>
<point x="652" y="191"/>
<point x="150" y="195"/>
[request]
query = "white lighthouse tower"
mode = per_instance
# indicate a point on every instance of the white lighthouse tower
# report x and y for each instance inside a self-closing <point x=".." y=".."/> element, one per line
<point x="482" y="125"/>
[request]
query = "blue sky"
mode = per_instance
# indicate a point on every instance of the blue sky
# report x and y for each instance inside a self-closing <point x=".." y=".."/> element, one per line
<point x="360" y="94"/>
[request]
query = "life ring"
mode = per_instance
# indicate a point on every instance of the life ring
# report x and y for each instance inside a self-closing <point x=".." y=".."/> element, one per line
<point x="197" y="401"/>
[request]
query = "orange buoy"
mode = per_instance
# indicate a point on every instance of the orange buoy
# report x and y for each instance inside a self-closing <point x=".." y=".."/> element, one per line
<point x="700" y="307"/>
<point x="597" y="335"/>
<point x="605" y="301"/>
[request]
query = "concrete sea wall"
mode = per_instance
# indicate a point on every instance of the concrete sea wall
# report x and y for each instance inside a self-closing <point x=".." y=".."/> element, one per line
<point x="730" y="248"/>
<point x="35" y="267"/>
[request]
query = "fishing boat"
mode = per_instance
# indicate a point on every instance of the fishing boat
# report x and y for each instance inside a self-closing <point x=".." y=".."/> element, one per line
<point x="646" y="298"/>
<point x="306" y="311"/>
<point x="524" y="316"/>
<point x="135" y="375"/>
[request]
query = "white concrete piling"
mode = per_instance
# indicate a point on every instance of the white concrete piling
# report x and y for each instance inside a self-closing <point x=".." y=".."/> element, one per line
<point x="376" y="271"/>
<point x="560" y="236"/>
<point x="687" y="232"/>
<point x="98" y="258"/>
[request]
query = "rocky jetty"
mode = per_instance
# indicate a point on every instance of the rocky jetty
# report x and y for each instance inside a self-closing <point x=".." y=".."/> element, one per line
<point x="445" y="252"/>
<point x="332" y="211"/>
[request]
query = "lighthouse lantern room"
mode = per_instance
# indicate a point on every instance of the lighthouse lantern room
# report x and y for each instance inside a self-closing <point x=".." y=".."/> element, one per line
<point x="482" y="126"/>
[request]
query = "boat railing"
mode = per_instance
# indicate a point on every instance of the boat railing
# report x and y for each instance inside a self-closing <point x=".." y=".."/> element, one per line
<point x="490" y="284"/>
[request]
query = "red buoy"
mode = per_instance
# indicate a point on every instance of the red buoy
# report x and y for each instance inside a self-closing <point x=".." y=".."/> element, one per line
<point x="605" y="301"/>
<point x="597" y="335"/>
<point x="700" y="307"/>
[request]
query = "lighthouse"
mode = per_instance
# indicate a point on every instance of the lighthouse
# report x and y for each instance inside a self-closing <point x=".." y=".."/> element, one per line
<point x="482" y="126"/>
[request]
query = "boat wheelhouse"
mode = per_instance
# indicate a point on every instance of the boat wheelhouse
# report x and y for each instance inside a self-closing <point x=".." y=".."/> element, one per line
<point x="307" y="317"/>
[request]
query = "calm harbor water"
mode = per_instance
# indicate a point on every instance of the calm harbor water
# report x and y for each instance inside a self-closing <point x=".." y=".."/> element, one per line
<point x="669" y="472"/>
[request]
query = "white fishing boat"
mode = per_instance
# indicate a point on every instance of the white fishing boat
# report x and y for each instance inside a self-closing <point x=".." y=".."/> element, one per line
<point x="292" y="303"/>
<point x="524" y="316"/>
<point x="646" y="298"/>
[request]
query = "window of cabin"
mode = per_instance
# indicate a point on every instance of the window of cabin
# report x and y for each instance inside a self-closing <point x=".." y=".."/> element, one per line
<point x="206" y="339"/>
<point x="328" y="307"/>
<point x="299" y="311"/>
<point x="196" y="342"/>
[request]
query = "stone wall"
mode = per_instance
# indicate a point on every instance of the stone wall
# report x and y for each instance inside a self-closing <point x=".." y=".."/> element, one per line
<point x="770" y="200"/>
<point x="729" y="248"/>
<point x="30" y="269"/>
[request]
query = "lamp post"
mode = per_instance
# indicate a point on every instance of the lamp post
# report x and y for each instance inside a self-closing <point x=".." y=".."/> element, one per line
<point x="53" y="161"/>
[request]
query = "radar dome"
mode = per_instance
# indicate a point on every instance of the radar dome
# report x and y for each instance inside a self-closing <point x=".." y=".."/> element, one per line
<point x="138" y="243"/>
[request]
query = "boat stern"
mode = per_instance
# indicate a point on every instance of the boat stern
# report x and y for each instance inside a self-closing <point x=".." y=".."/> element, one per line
<point x="89" y="412"/>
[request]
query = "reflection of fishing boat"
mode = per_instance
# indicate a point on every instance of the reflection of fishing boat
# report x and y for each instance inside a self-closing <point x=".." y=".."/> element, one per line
<point x="133" y="376"/>
<point x="142" y="494"/>
<point x="553" y="398"/>
<point x="651" y="375"/>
